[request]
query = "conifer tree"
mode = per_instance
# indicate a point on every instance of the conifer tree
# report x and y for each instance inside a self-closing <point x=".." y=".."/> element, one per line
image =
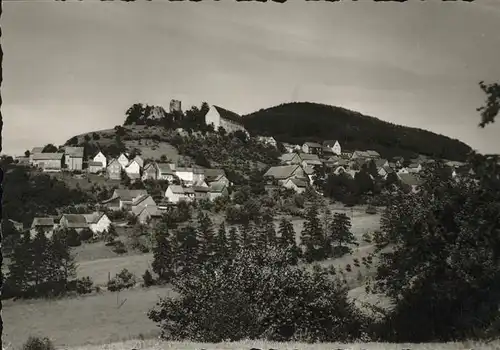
<point x="245" y="236"/>
<point x="206" y="238"/>
<point x="312" y="237"/>
<point x="287" y="241"/>
<point x="163" y="253"/>
<point x="21" y="265"/>
<point x="41" y="258"/>
<point x="187" y="248"/>
<point x="62" y="263"/>
<point x="222" y="243"/>
<point x="233" y="243"/>
<point x="270" y="231"/>
<point x="340" y="234"/>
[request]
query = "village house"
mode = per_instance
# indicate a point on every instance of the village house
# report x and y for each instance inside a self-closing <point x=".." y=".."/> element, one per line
<point x="98" y="222"/>
<point x="359" y="155"/>
<point x="123" y="160"/>
<point x="282" y="173"/>
<point x="333" y="146"/>
<point x="101" y="158"/>
<point x="142" y="201"/>
<point x="291" y="148"/>
<point x="290" y="158"/>
<point x="267" y="140"/>
<point x="77" y="222"/>
<point x="114" y="170"/>
<point x="198" y="176"/>
<point x="309" y="172"/>
<point x="73" y="158"/>
<point x="403" y="170"/>
<point x="411" y="181"/>
<point x="346" y="154"/>
<point x="218" y="189"/>
<point x="201" y="192"/>
<point x="94" y="167"/>
<point x="166" y="171"/>
<point x="384" y="171"/>
<point x="22" y="160"/>
<point x="414" y="168"/>
<point x="220" y="117"/>
<point x="45" y="224"/>
<point x="216" y="175"/>
<point x="186" y="175"/>
<point x="311" y="148"/>
<point x="150" y="171"/>
<point x="310" y="160"/>
<point x="373" y="154"/>
<point x="34" y="150"/>
<point x="175" y="194"/>
<point x="381" y="163"/>
<point x="133" y="170"/>
<point x="398" y="161"/>
<point x="123" y="199"/>
<point x="298" y="185"/>
<point x="48" y="162"/>
<point x="146" y="214"/>
<point x="139" y="161"/>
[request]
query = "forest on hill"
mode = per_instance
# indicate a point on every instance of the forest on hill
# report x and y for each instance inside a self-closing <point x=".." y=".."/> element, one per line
<point x="299" y="122"/>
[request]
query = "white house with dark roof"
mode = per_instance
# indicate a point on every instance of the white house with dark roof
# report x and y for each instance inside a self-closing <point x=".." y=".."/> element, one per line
<point x="333" y="146"/>
<point x="282" y="173"/>
<point x="98" y="222"/>
<point x="123" y="160"/>
<point x="133" y="169"/>
<point x="221" y="117"/>
<point x="218" y="189"/>
<point x="73" y="158"/>
<point x="185" y="174"/>
<point x="139" y="160"/>
<point x="100" y="157"/>
<point x="46" y="224"/>
<point x="123" y="199"/>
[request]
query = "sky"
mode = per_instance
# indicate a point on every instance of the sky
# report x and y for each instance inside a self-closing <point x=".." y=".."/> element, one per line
<point x="74" y="67"/>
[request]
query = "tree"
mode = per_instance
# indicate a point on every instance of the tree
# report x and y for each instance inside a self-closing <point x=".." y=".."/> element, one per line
<point x="49" y="148"/>
<point x="491" y="107"/>
<point x="312" y="237"/>
<point x="222" y="242"/>
<point x="41" y="258"/>
<point x="340" y="234"/>
<point x="63" y="265"/>
<point x="208" y="243"/>
<point x="186" y="249"/>
<point x="163" y="253"/>
<point x="21" y="265"/>
<point x="110" y="234"/>
<point x="288" y="243"/>
<point x="134" y="114"/>
<point x="233" y="243"/>
<point x="27" y="153"/>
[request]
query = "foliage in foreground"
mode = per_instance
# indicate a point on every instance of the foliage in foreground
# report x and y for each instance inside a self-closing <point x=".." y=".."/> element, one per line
<point x="37" y="343"/>
<point x="258" y="297"/>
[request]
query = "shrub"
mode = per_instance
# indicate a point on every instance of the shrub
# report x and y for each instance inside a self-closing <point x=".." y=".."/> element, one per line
<point x="37" y="343"/>
<point x="86" y="235"/>
<point x="367" y="237"/>
<point x="119" y="247"/>
<point x="73" y="238"/>
<point x="258" y="297"/>
<point x="84" y="285"/>
<point x="125" y="279"/>
<point x="148" y="279"/>
<point x="371" y="210"/>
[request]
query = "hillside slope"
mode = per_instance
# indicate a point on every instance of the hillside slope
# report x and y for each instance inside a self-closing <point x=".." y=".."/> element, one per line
<point x="303" y="121"/>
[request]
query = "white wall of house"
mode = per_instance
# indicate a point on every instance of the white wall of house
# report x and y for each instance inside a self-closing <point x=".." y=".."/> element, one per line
<point x="186" y="176"/>
<point x="289" y="184"/>
<point x="101" y="225"/>
<point x="100" y="157"/>
<point x="133" y="168"/>
<point x="337" y="149"/>
<point x="173" y="197"/>
<point x="123" y="160"/>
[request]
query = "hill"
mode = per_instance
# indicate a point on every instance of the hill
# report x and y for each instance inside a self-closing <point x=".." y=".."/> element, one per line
<point x="303" y="121"/>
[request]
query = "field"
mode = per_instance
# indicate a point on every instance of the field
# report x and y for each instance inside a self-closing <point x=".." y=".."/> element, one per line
<point x="97" y="319"/>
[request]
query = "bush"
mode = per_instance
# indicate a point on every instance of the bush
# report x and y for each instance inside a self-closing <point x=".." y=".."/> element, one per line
<point x="119" y="247"/>
<point x="86" y="235"/>
<point x="37" y="343"/>
<point x="73" y="238"/>
<point x="148" y="279"/>
<point x="84" y="285"/>
<point x="258" y="296"/>
<point x="125" y="279"/>
<point x="371" y="210"/>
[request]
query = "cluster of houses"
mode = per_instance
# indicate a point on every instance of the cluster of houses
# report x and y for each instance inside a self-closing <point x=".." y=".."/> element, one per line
<point x="298" y="165"/>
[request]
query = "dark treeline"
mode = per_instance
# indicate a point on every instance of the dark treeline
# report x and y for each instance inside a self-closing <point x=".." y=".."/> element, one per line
<point x="300" y="122"/>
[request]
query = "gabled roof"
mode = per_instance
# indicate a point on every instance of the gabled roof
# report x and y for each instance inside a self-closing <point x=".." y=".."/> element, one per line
<point x="94" y="217"/>
<point x="74" y="151"/>
<point x="287" y="157"/>
<point x="200" y="189"/>
<point x="140" y="199"/>
<point x="327" y="149"/>
<point x="410" y="179"/>
<point x="36" y="150"/>
<point x="388" y="169"/>
<point x="329" y="143"/>
<point x="217" y="187"/>
<point x="113" y="160"/>
<point x="380" y="162"/>
<point x="165" y="168"/>
<point x="152" y="210"/>
<point x="229" y="115"/>
<point x="214" y="173"/>
<point x="100" y="152"/>
<point x="75" y="220"/>
<point x="139" y="160"/>
<point x="413" y="165"/>
<point x="308" y="170"/>
<point x="299" y="182"/>
<point x="372" y="153"/>
<point x="48" y="156"/>
<point x="43" y="222"/>
<point x="312" y="144"/>
<point x="307" y="156"/>
<point x="128" y="195"/>
<point x="282" y="171"/>
<point x="176" y="189"/>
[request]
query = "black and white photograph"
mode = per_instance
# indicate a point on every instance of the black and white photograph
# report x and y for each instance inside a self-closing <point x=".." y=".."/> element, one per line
<point x="250" y="175"/>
